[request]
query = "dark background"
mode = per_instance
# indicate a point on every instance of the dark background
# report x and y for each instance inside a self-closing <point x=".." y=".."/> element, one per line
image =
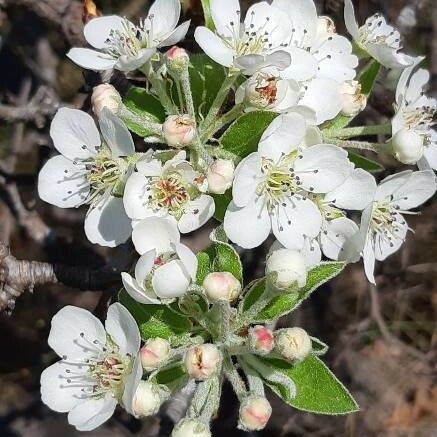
<point x="383" y="340"/>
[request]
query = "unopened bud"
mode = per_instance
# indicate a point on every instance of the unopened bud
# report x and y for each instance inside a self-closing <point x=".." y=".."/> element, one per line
<point x="325" y="26"/>
<point x="289" y="268"/>
<point x="255" y="412"/>
<point x="154" y="353"/>
<point x="353" y="101"/>
<point x="105" y="96"/>
<point x="202" y="361"/>
<point x="177" y="58"/>
<point x="179" y="130"/>
<point x="148" y="399"/>
<point x="222" y="285"/>
<point x="407" y="146"/>
<point x="261" y="91"/>
<point x="293" y="344"/>
<point x="220" y="176"/>
<point x="261" y="339"/>
<point x="191" y="428"/>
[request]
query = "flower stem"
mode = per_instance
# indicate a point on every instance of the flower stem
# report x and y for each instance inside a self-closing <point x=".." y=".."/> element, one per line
<point x="359" y="145"/>
<point x="225" y="119"/>
<point x="234" y="378"/>
<point x="127" y="115"/>
<point x="186" y="89"/>
<point x="351" y="132"/>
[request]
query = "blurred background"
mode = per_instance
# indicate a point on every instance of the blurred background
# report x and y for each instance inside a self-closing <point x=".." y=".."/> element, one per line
<point x="382" y="340"/>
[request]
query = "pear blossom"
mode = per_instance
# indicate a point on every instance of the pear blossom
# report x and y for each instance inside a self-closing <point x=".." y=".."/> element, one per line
<point x="249" y="45"/>
<point x="272" y="187"/>
<point x="122" y="45"/>
<point x="173" y="189"/>
<point x="90" y="171"/>
<point x="383" y="226"/>
<point x="166" y="267"/>
<point x="255" y="412"/>
<point x="99" y="366"/>
<point x="376" y="37"/>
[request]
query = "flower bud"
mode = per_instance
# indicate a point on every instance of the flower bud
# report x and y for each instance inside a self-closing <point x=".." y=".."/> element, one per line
<point x="294" y="344"/>
<point x="179" y="130"/>
<point x="222" y="285"/>
<point x="407" y="146"/>
<point x="353" y="101"/>
<point x="177" y="58"/>
<point x="220" y="176"/>
<point x="255" y="412"/>
<point x="148" y="399"/>
<point x="105" y="96"/>
<point x="154" y="353"/>
<point x="289" y="267"/>
<point x="261" y="339"/>
<point x="191" y="428"/>
<point x="202" y="361"/>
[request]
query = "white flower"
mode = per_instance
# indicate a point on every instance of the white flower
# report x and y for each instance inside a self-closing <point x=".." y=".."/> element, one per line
<point x="191" y="428"/>
<point x="165" y="269"/>
<point x="413" y="139"/>
<point x="352" y="100"/>
<point x="122" y="45"/>
<point x="294" y="344"/>
<point x="380" y="40"/>
<point x="172" y="189"/>
<point x="99" y="366"/>
<point x="383" y="226"/>
<point x="202" y="361"/>
<point x="272" y="186"/>
<point x="90" y="171"/>
<point x="247" y="46"/>
<point x="179" y="130"/>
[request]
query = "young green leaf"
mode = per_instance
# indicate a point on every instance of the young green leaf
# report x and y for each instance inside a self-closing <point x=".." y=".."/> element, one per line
<point x="254" y="291"/>
<point x="203" y="267"/>
<point x="317" y="388"/>
<point x="209" y="23"/>
<point x="221" y="204"/>
<point x="365" y="163"/>
<point x="318" y="347"/>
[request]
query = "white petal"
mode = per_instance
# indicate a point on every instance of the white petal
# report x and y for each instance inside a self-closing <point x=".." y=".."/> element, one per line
<point x="416" y="84"/>
<point x="74" y="134"/>
<point x="127" y="63"/>
<point x="389" y="57"/>
<point x="349" y="19"/>
<point x="387" y="245"/>
<point x="62" y="183"/>
<point x="357" y="191"/>
<point x="149" y="167"/>
<point x="144" y="266"/>
<point x="91" y="59"/>
<point x="164" y="15"/>
<point x="311" y="253"/>
<point x="92" y="413"/>
<point x="196" y="213"/>
<point x="135" y="197"/>
<point x="176" y="35"/>
<point x="107" y="224"/>
<point x="155" y="233"/>
<point x="98" y="30"/>
<point x="136" y="292"/>
<point x="256" y="220"/>
<point x="170" y="280"/>
<point x="249" y="64"/>
<point x="369" y="259"/>
<point x="391" y="183"/>
<point x="334" y="236"/>
<point x="280" y="59"/>
<point x="322" y="168"/>
<point x="430" y="154"/>
<point x="115" y="133"/>
<point x="226" y="17"/>
<point x="247" y="176"/>
<point x="123" y="329"/>
<point x="402" y="85"/>
<point x="213" y="46"/>
<point x="132" y="385"/>
<point x="65" y="335"/>
<point x="303" y="65"/>
<point x="189" y="260"/>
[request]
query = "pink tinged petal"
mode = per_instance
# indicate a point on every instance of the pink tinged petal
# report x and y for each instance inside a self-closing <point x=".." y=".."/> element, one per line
<point x="196" y="213"/>
<point x="144" y="266"/>
<point x="155" y="233"/>
<point x="127" y="63"/>
<point x="386" y="245"/>
<point x="65" y="334"/>
<point x="303" y="65"/>
<point x="115" y="133"/>
<point x="98" y="30"/>
<point x="176" y="35"/>
<point x="107" y="224"/>
<point x="74" y="134"/>
<point x="248" y="226"/>
<point x="63" y="183"/>
<point x="137" y="292"/>
<point x="131" y="385"/>
<point x="322" y="168"/>
<point x="349" y="19"/>
<point x="170" y="280"/>
<point x="123" y="329"/>
<point x="164" y="15"/>
<point x="213" y="46"/>
<point x="247" y="176"/>
<point x="226" y="17"/>
<point x="357" y="191"/>
<point x="92" y="413"/>
<point x="91" y="59"/>
<point x="188" y="259"/>
<point x="294" y="219"/>
<point x="335" y="234"/>
<point x="369" y="259"/>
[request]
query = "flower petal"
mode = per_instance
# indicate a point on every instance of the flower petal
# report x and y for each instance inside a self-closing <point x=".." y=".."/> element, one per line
<point x="132" y="384"/>
<point x="91" y="59"/>
<point x="136" y="292"/>
<point x="247" y="176"/>
<point x="213" y="46"/>
<point x="135" y="197"/>
<point x="98" y="30"/>
<point x="349" y="19"/>
<point x="369" y="259"/>
<point x="311" y="252"/>
<point x="189" y="260"/>
<point x="164" y="16"/>
<point x="303" y="65"/>
<point x="144" y="266"/>
<point x="226" y="17"/>
<point x="170" y="280"/>
<point x="196" y="213"/>
<point x="127" y="63"/>
<point x="176" y="35"/>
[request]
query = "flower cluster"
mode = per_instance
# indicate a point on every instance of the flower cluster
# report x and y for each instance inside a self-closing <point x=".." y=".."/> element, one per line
<point x="255" y="134"/>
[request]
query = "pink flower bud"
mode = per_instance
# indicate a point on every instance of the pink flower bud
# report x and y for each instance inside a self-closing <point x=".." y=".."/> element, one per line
<point x="202" y="361"/>
<point x="222" y="285"/>
<point x="220" y="176"/>
<point x="105" y="96"/>
<point x="294" y="344"/>
<point x="179" y="130"/>
<point x="177" y="58"/>
<point x="154" y="353"/>
<point x="261" y="339"/>
<point x="255" y="412"/>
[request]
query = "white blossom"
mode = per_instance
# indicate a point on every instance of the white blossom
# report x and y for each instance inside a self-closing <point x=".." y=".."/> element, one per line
<point x="99" y="367"/>
<point x="91" y="171"/>
<point x="122" y="45"/>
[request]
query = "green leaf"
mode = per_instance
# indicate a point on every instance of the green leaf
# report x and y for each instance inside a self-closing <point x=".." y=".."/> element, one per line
<point x="169" y="374"/>
<point x="318" y="347"/>
<point x="254" y="291"/>
<point x="156" y="320"/>
<point x="285" y="303"/>
<point x="317" y="388"/>
<point x="368" y="77"/>
<point x="209" y="23"/>
<point x="221" y="204"/>
<point x="243" y="136"/>
<point x="365" y="163"/>
<point x="203" y="267"/>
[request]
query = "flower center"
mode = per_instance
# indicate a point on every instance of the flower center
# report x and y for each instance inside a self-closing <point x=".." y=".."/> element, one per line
<point x="328" y="210"/>
<point x="266" y="89"/>
<point x="420" y="117"/>
<point x="377" y="31"/>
